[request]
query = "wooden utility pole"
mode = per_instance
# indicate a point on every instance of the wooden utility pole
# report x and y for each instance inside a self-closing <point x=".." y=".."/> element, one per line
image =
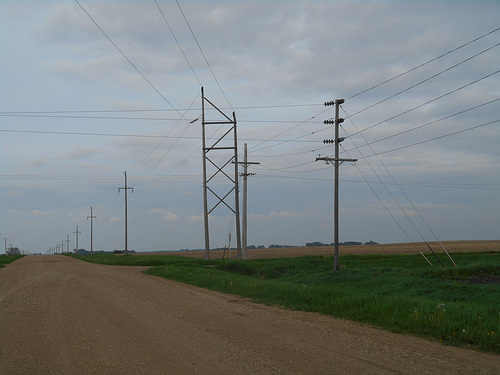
<point x="91" y="217"/>
<point x="67" y="243"/>
<point x="77" y="232"/>
<point x="336" y="162"/>
<point x="245" y="174"/>
<point x="126" y="188"/>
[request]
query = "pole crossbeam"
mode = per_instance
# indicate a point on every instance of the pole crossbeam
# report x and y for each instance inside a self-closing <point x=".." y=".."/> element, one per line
<point x="231" y="154"/>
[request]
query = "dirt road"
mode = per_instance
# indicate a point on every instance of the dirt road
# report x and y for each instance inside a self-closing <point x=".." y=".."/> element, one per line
<point x="63" y="316"/>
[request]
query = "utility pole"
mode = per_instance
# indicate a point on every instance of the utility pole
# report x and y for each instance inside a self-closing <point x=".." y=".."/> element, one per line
<point x="5" y="242"/>
<point x="91" y="217"/>
<point x="76" y="244"/>
<point x="337" y="161"/>
<point x="62" y="246"/>
<point x="245" y="174"/>
<point x="126" y="188"/>
<point x="67" y="243"/>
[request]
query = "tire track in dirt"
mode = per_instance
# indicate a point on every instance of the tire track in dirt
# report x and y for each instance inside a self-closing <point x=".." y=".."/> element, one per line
<point x="64" y="316"/>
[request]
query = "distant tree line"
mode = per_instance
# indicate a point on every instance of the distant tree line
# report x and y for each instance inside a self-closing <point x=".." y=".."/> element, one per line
<point x="86" y="252"/>
<point x="250" y="247"/>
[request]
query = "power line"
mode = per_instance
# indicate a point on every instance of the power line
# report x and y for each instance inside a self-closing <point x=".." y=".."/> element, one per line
<point x="287" y="130"/>
<point x="203" y="54"/>
<point x="423" y="64"/>
<point x="126" y="58"/>
<point x="430" y="140"/>
<point x="485" y="187"/>
<point x="436" y="185"/>
<point x="294" y="166"/>
<point x="35" y="115"/>
<point x="390" y="193"/>
<point x="423" y="104"/>
<point x="143" y="135"/>
<point x="176" y="41"/>
<point x="161" y="109"/>
<point x="170" y="148"/>
<point x="426" y="124"/>
<point x="425" y="80"/>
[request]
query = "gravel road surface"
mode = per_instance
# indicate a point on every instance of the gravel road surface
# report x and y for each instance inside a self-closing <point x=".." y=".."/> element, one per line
<point x="59" y="315"/>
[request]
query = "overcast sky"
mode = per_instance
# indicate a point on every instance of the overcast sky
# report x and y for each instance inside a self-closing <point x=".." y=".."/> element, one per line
<point x="91" y="89"/>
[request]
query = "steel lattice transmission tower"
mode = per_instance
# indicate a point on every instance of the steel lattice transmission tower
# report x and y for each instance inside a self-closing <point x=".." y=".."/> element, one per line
<point x="218" y="156"/>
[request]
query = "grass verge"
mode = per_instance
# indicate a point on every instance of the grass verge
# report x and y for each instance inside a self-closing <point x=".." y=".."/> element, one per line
<point x="6" y="259"/>
<point x="400" y="293"/>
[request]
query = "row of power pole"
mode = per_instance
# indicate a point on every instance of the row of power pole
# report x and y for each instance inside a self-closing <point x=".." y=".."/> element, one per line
<point x="92" y="217"/>
<point x="229" y="145"/>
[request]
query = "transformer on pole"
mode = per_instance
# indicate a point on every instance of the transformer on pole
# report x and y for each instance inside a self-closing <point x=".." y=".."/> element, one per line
<point x="225" y="151"/>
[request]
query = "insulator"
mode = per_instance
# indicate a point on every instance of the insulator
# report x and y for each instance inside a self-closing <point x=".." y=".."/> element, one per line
<point x="328" y="141"/>
<point x="340" y="120"/>
<point x="329" y="103"/>
<point x="326" y="122"/>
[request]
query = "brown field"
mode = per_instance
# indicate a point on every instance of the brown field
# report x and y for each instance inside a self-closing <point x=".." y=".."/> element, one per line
<point x="400" y="248"/>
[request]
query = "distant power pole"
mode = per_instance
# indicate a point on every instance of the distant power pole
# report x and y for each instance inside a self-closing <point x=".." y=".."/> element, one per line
<point x="245" y="174"/>
<point x="62" y="246"/>
<point x="337" y="161"/>
<point x="67" y="243"/>
<point x="76" y="243"/>
<point x="91" y="217"/>
<point x="126" y="188"/>
<point x="5" y="242"/>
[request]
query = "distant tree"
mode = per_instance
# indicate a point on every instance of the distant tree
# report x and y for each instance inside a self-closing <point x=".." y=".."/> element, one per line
<point x="13" y="251"/>
<point x="312" y="244"/>
<point x="371" y="243"/>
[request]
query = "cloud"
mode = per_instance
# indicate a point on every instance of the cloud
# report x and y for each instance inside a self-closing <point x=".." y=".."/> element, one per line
<point x="277" y="62"/>
<point x="42" y="213"/>
<point x="165" y="214"/>
<point x="195" y="218"/>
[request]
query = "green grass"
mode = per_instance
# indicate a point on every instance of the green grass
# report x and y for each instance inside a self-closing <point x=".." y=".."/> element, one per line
<point x="399" y="293"/>
<point x="6" y="259"/>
